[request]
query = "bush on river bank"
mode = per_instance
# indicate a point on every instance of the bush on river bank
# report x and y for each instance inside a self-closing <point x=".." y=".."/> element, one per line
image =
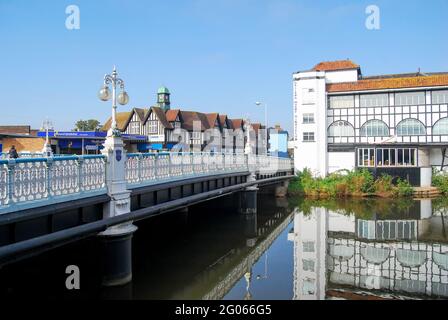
<point x="440" y="180"/>
<point x="358" y="183"/>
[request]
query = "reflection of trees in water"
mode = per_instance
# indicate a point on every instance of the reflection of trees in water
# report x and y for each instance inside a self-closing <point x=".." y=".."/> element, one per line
<point x="360" y="207"/>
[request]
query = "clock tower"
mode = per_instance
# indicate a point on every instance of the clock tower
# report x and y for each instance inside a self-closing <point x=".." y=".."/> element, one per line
<point x="163" y="98"/>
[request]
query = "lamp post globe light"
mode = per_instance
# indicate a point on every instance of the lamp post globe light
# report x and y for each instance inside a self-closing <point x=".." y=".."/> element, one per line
<point x="105" y="94"/>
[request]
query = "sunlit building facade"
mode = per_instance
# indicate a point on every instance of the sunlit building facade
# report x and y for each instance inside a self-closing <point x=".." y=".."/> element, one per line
<point x="390" y="123"/>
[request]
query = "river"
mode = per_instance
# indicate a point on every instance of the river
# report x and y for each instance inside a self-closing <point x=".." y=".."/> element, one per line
<point x="291" y="249"/>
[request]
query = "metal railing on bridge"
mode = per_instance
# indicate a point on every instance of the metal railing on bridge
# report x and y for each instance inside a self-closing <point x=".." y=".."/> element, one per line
<point x="32" y="180"/>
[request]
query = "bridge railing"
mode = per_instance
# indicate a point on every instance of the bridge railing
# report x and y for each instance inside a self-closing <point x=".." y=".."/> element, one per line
<point x="143" y="168"/>
<point x="34" y="179"/>
<point x="31" y="180"/>
<point x="152" y="167"/>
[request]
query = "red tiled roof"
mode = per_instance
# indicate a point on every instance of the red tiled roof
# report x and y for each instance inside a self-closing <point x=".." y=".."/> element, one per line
<point x="171" y="115"/>
<point x="335" y="65"/>
<point x="256" y="127"/>
<point x="211" y="118"/>
<point x="189" y="117"/>
<point x="237" y="123"/>
<point x="390" y="83"/>
<point x="222" y="119"/>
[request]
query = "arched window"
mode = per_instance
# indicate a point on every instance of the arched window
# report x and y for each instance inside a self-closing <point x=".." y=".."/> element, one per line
<point x="441" y="127"/>
<point x="341" y="129"/>
<point x="374" y="128"/>
<point x="410" y="127"/>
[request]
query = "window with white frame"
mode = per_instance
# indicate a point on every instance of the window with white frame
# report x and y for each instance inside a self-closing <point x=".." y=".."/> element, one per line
<point x="387" y="157"/>
<point x="439" y="97"/>
<point x="374" y="100"/>
<point x="441" y="127"/>
<point x="341" y="129"/>
<point x="153" y="126"/>
<point x="374" y="128"/>
<point x="410" y="98"/>
<point x="308" y="137"/>
<point x="134" y="128"/>
<point x="410" y="127"/>
<point x="308" y="118"/>
<point x="338" y="102"/>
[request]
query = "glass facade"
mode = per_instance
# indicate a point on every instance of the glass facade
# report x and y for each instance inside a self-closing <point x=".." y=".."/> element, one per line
<point x="441" y="127"/>
<point x="410" y="98"/>
<point x="410" y="127"/>
<point x="337" y="102"/>
<point x="341" y="129"/>
<point x="440" y="97"/>
<point x="374" y="128"/>
<point x="374" y="100"/>
<point x="387" y="157"/>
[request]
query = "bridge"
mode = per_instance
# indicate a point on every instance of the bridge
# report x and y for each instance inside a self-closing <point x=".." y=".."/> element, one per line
<point x="49" y="202"/>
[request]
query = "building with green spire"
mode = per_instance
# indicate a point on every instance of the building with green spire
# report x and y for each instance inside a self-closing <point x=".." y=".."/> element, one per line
<point x="163" y="98"/>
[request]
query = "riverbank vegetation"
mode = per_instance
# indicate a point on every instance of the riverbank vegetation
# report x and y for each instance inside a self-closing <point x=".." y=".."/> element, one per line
<point x="440" y="180"/>
<point x="341" y="184"/>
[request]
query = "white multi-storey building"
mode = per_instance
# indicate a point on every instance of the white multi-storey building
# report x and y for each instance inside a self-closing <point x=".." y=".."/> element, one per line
<point x="396" y="124"/>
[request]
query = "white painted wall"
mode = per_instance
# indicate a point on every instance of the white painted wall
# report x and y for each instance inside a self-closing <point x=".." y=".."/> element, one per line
<point x="312" y="155"/>
<point x="341" y="76"/>
<point x="435" y="157"/>
<point x="341" y="160"/>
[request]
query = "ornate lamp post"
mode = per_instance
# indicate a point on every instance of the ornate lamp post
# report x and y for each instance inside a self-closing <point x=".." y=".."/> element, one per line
<point x="117" y="239"/>
<point x="47" y="125"/>
<point x="104" y="94"/>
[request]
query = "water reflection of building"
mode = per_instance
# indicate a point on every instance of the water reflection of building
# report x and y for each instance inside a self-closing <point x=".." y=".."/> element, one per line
<point x="339" y="255"/>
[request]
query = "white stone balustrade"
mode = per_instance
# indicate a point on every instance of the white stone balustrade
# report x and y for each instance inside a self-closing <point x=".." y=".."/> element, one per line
<point x="33" y="180"/>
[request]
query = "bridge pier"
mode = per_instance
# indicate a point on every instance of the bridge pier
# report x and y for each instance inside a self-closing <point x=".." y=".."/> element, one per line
<point x="117" y="240"/>
<point x="117" y="254"/>
<point x="248" y="200"/>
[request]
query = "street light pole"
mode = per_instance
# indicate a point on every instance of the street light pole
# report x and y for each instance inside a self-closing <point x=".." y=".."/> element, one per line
<point x="47" y="151"/>
<point x="265" y="121"/>
<point x="123" y="98"/>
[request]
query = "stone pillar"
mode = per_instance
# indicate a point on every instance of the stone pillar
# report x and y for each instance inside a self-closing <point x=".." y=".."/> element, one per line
<point x="117" y="240"/>
<point x="425" y="177"/>
<point x="281" y="190"/>
<point x="248" y="200"/>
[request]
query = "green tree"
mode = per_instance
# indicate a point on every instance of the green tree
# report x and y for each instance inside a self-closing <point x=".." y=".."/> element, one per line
<point x="87" y="125"/>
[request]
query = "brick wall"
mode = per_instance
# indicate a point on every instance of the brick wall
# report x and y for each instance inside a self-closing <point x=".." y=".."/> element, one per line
<point x="24" y="144"/>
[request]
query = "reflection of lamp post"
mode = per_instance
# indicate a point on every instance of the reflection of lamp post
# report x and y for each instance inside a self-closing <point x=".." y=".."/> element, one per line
<point x="265" y="268"/>
<point x="47" y="125"/>
<point x="248" y="278"/>
<point x="123" y="98"/>
<point x="265" y="122"/>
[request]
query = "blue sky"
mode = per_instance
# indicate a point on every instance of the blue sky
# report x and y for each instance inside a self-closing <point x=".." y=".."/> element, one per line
<point x="214" y="56"/>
